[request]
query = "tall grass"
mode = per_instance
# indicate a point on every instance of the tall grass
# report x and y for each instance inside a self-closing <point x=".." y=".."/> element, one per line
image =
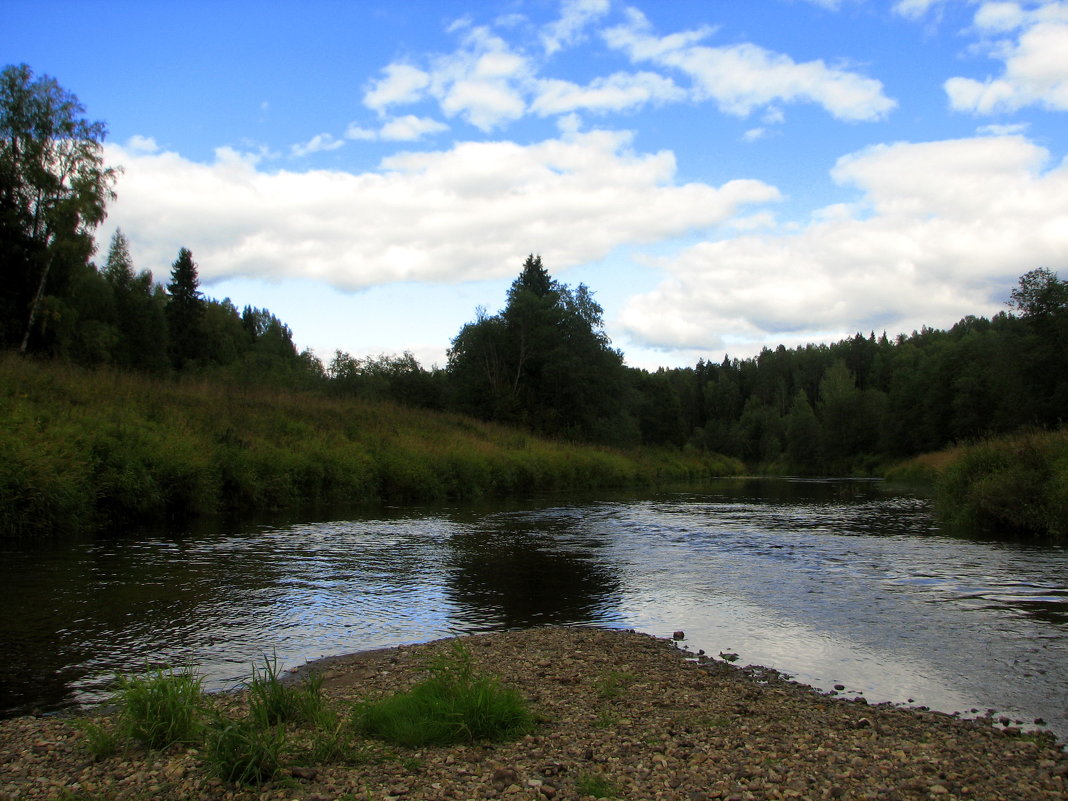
<point x="82" y="448"/>
<point x="1016" y="485"/>
<point x="162" y="707"/>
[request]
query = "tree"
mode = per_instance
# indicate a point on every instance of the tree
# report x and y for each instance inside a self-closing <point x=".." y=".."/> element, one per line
<point x="185" y="310"/>
<point x="54" y="186"/>
<point x="1040" y="293"/>
<point x="118" y="269"/>
<point x="543" y="361"/>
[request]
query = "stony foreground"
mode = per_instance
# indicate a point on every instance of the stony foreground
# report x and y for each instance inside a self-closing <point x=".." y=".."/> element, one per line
<point x="629" y="710"/>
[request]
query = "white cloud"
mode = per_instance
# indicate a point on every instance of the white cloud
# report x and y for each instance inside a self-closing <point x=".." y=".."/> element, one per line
<point x="359" y="133"/>
<point x="618" y="92"/>
<point x="482" y="82"/>
<point x="317" y="144"/>
<point x="402" y="83"/>
<point x="410" y="128"/>
<point x="1033" y="47"/>
<point x="450" y="216"/>
<point x="743" y="77"/>
<point x="942" y="228"/>
<point x="141" y="144"/>
<point x="575" y="16"/>
<point x="915" y="9"/>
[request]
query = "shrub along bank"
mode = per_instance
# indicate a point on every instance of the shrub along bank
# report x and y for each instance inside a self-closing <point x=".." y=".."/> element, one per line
<point x="1014" y="485"/>
<point x="84" y="448"/>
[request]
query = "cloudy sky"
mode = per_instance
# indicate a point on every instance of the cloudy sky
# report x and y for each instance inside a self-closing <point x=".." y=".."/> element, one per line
<point x="723" y="175"/>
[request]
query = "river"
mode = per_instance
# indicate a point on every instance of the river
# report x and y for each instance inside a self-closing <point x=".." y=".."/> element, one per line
<point x="833" y="582"/>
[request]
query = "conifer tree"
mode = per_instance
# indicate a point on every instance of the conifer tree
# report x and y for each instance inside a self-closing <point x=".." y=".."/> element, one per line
<point x="185" y="311"/>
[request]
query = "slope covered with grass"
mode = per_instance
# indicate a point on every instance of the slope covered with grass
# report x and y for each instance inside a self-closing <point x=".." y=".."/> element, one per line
<point x="81" y="448"/>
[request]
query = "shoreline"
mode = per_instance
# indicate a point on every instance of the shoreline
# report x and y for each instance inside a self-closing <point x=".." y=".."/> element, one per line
<point x="646" y="716"/>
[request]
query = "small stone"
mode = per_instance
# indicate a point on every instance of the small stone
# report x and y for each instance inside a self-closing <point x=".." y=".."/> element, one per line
<point x="298" y="772"/>
<point x="678" y="635"/>
<point x="938" y="789"/>
<point x="504" y="777"/>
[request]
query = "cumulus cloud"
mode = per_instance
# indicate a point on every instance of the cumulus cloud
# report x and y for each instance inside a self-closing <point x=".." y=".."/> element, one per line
<point x="575" y="17"/>
<point x="941" y="226"/>
<point x="1031" y="43"/>
<point x="744" y="77"/>
<point x="449" y="216"/>
<point x="400" y="83"/>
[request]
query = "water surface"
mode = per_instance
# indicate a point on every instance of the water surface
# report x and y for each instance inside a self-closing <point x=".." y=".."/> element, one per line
<point x="832" y="582"/>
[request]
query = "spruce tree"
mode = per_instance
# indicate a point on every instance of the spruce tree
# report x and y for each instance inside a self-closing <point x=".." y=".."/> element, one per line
<point x="185" y="311"/>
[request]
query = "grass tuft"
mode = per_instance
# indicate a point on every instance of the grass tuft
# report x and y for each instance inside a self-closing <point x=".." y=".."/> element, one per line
<point x="162" y="707"/>
<point x="453" y="705"/>
<point x="101" y="740"/>
<point x="243" y="751"/>
<point x="596" y="785"/>
<point x="272" y="702"/>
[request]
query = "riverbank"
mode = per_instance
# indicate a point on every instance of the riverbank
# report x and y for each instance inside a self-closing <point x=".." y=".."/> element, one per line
<point x="80" y="449"/>
<point x="1014" y="486"/>
<point x="623" y="714"/>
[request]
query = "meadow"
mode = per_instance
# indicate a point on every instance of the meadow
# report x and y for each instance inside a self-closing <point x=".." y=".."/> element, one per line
<point x="82" y="449"/>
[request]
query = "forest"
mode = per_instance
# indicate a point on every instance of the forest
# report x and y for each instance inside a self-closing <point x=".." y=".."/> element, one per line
<point x="543" y="362"/>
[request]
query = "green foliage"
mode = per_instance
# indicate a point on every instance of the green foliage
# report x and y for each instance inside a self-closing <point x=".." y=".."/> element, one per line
<point x="455" y="704"/>
<point x="162" y="707"/>
<point x="614" y="683"/>
<point x="102" y="739"/>
<point x="244" y="751"/>
<point x="273" y="702"/>
<point x="596" y="785"/>
<point x="544" y="361"/>
<point x="53" y="191"/>
<point x="82" y="448"/>
<point x="1015" y="485"/>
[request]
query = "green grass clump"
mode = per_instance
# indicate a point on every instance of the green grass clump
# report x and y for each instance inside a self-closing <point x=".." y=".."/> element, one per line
<point x="272" y="702"/>
<point x="455" y="704"/>
<point x="244" y="751"/>
<point x="613" y="683"/>
<point x="101" y="740"/>
<point x="596" y="785"/>
<point x="162" y="707"/>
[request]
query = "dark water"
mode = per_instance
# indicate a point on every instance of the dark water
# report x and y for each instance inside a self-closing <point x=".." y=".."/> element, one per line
<point x="831" y="582"/>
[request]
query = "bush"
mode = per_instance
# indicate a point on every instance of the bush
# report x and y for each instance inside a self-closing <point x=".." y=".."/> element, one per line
<point x="1010" y="485"/>
<point x="453" y="705"/>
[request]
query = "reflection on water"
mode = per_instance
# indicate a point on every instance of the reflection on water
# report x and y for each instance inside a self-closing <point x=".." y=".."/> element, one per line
<point x="833" y="582"/>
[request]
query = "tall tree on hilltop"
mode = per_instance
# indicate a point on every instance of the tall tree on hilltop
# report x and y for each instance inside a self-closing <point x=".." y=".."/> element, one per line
<point x="53" y="190"/>
<point x="543" y="361"/>
<point x="185" y="311"/>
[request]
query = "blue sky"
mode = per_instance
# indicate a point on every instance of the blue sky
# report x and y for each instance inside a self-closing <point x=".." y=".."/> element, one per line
<point x="723" y="175"/>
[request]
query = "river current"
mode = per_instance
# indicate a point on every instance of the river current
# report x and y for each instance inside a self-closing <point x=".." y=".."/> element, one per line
<point x="832" y="582"/>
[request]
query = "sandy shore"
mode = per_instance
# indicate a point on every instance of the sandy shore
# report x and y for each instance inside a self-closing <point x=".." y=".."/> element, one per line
<point x="626" y="708"/>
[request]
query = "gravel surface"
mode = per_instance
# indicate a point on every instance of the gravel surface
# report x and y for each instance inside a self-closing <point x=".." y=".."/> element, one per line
<point x="631" y="712"/>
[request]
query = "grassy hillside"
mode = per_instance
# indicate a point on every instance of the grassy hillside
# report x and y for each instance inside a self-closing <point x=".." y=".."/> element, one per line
<point x="83" y="448"/>
<point x="1015" y="485"/>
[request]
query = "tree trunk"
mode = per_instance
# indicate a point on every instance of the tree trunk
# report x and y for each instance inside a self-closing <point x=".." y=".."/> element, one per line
<point x="36" y="303"/>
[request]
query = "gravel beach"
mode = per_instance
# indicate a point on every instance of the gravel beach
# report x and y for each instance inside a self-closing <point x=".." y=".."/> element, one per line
<point x="626" y="713"/>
